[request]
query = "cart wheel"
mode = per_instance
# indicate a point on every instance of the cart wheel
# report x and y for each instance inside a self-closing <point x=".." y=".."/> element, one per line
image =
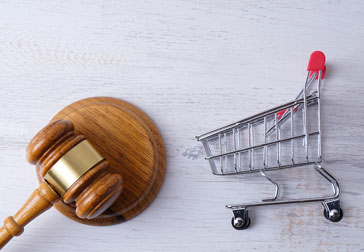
<point x="239" y="224"/>
<point x="336" y="215"/>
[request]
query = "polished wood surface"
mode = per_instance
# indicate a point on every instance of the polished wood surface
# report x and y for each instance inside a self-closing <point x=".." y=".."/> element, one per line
<point x="125" y="136"/>
<point x="92" y="194"/>
<point x="41" y="200"/>
<point x="131" y="143"/>
<point x="96" y="190"/>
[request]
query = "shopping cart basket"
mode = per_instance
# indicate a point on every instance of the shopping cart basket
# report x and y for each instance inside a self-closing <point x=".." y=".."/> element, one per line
<point x="282" y="137"/>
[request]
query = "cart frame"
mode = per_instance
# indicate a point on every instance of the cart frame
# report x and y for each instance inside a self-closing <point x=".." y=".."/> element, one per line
<point x="222" y="158"/>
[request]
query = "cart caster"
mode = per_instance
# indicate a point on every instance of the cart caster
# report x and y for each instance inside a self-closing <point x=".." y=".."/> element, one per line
<point x="332" y="210"/>
<point x="241" y="220"/>
<point x="334" y="215"/>
<point x="239" y="223"/>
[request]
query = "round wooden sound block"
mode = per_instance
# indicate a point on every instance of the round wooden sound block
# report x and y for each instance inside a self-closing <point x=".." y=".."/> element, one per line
<point x="130" y="142"/>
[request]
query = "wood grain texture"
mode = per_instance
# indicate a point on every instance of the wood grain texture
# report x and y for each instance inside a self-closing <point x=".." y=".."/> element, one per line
<point x="39" y="201"/>
<point x="134" y="149"/>
<point x="94" y="190"/>
<point x="192" y="66"/>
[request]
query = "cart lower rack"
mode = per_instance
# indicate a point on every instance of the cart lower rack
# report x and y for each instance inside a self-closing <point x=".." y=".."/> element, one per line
<point x="282" y="137"/>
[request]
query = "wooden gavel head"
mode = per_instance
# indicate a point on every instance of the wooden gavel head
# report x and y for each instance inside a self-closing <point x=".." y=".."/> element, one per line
<point x="74" y="169"/>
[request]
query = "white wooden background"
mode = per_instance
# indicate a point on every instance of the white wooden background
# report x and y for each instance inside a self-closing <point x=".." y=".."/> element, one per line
<point x="192" y="66"/>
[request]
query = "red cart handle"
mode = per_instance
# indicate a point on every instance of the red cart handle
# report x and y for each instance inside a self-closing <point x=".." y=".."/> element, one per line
<point x="317" y="63"/>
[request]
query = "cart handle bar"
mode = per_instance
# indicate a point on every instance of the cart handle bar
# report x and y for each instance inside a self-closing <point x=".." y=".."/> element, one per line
<point x="317" y="63"/>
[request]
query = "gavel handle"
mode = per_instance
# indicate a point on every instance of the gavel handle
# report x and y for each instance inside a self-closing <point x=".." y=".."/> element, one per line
<point x="41" y="200"/>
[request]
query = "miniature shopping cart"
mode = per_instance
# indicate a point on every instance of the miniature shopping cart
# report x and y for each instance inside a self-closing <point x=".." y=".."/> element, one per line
<point x="282" y="137"/>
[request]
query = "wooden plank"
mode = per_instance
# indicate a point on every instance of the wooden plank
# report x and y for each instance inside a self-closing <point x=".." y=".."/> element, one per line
<point x="192" y="67"/>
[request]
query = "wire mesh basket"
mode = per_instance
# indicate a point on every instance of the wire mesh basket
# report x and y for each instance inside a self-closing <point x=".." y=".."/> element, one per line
<point x="286" y="136"/>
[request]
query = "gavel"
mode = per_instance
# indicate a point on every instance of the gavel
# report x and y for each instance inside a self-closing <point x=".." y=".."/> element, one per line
<point x="72" y="170"/>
